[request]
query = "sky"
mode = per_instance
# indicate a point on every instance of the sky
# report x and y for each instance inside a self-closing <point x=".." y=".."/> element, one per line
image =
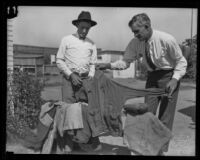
<point x="46" y="25"/>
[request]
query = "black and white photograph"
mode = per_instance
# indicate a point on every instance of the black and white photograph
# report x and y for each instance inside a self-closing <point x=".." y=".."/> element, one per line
<point x="97" y="80"/>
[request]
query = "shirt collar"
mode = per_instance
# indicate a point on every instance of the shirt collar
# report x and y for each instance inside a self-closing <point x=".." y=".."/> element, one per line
<point x="151" y="38"/>
<point x="77" y="36"/>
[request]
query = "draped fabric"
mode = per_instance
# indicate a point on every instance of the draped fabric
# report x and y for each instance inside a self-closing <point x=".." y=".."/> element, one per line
<point x="106" y="98"/>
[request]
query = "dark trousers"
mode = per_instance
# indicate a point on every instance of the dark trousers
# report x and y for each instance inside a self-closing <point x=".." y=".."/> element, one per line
<point x="71" y="93"/>
<point x="68" y="94"/>
<point x="159" y="79"/>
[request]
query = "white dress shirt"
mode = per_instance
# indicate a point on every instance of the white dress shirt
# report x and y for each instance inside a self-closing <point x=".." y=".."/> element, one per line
<point x="164" y="51"/>
<point x="76" y="55"/>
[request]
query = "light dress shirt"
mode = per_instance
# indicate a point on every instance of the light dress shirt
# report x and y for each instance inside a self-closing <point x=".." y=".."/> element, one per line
<point x="76" y="55"/>
<point x="164" y="51"/>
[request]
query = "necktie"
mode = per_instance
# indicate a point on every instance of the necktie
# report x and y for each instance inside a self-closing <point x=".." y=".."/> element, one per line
<point x="148" y="58"/>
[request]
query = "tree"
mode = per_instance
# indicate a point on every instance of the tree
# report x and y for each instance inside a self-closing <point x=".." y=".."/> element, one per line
<point x="189" y="49"/>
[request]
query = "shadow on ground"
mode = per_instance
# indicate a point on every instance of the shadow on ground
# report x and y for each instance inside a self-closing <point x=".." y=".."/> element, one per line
<point x="107" y="149"/>
<point x="189" y="111"/>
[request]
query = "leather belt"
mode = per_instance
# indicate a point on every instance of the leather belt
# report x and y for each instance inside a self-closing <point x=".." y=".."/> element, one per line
<point x="83" y="75"/>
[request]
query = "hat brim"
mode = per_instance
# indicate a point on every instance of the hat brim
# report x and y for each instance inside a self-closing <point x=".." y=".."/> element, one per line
<point x="93" y="23"/>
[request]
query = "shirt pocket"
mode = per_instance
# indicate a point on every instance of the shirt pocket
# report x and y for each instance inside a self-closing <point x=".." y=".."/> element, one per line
<point x="163" y="57"/>
<point x="163" y="52"/>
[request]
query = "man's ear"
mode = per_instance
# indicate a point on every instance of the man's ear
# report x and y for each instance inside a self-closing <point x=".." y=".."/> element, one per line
<point x="146" y="26"/>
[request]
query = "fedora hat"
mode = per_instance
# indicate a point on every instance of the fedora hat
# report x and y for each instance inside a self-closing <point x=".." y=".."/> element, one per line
<point x="84" y="16"/>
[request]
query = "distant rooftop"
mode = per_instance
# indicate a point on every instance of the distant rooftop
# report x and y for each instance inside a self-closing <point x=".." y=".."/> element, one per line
<point x="111" y="52"/>
<point x="32" y="46"/>
<point x="28" y="56"/>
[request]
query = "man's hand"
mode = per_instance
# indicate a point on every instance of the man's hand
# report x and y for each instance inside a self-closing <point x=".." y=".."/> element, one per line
<point x="103" y="66"/>
<point x="171" y="86"/>
<point x="76" y="80"/>
<point x="90" y="78"/>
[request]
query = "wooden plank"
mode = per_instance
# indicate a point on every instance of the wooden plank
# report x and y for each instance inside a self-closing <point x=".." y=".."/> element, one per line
<point x="9" y="30"/>
<point x="10" y="40"/>
<point x="9" y="35"/>
<point x="9" y="58"/>
<point x="9" y="25"/>
<point x="9" y="46"/>
<point x="10" y="55"/>
<point x="9" y="50"/>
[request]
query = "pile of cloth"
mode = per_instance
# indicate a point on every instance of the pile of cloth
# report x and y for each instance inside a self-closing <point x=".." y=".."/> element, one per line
<point x="102" y="114"/>
<point x="62" y="122"/>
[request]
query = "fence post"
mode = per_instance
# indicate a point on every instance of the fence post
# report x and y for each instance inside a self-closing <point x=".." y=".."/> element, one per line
<point x="10" y="63"/>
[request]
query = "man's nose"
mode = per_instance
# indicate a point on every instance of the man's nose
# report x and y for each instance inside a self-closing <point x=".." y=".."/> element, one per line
<point x="136" y="34"/>
<point x="84" y="30"/>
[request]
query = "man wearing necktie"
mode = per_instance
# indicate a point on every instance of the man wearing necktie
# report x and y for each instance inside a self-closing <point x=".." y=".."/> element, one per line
<point x="164" y="61"/>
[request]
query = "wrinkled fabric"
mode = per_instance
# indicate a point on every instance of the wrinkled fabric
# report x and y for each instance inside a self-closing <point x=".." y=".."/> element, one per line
<point x="145" y="133"/>
<point x="44" y="116"/>
<point x="66" y="116"/>
<point x="69" y="117"/>
<point x="84" y="134"/>
<point x="35" y="141"/>
<point x="73" y="119"/>
<point x="106" y="98"/>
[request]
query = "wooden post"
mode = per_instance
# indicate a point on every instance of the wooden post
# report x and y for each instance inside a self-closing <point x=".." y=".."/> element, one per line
<point x="12" y="12"/>
<point x="10" y="62"/>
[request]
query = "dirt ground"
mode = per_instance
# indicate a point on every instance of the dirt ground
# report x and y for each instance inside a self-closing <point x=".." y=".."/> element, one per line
<point x="183" y="142"/>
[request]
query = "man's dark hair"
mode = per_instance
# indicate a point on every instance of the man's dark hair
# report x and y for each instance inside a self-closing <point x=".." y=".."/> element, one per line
<point x="142" y="19"/>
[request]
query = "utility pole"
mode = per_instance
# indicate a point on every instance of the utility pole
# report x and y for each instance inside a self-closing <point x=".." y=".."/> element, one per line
<point x="191" y="31"/>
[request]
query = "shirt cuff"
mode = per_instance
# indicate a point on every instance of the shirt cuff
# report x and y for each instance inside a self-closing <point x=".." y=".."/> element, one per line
<point x="176" y="76"/>
<point x="92" y="71"/>
<point x="63" y="68"/>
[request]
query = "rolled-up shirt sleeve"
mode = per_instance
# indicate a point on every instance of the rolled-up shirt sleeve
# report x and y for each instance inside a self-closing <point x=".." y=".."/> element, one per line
<point x="180" y="61"/>
<point x="60" y="60"/>
<point x="93" y="61"/>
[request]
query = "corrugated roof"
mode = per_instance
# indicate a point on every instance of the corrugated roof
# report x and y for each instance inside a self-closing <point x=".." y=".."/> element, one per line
<point x="28" y="56"/>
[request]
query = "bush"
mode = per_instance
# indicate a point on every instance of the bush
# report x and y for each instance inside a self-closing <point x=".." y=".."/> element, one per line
<point x="191" y="59"/>
<point x="27" y="101"/>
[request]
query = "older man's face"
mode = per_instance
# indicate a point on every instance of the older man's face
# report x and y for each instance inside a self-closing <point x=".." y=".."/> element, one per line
<point x="140" y="32"/>
<point x="83" y="29"/>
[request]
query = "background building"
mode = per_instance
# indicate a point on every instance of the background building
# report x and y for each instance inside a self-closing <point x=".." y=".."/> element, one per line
<point x="30" y="62"/>
<point x="42" y="59"/>
<point x="108" y="56"/>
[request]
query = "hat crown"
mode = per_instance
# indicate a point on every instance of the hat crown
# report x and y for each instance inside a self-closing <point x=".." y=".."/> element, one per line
<point x="84" y="15"/>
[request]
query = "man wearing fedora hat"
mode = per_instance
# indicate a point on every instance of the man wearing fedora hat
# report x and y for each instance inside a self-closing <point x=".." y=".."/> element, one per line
<point x="76" y="58"/>
<point x="77" y="55"/>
